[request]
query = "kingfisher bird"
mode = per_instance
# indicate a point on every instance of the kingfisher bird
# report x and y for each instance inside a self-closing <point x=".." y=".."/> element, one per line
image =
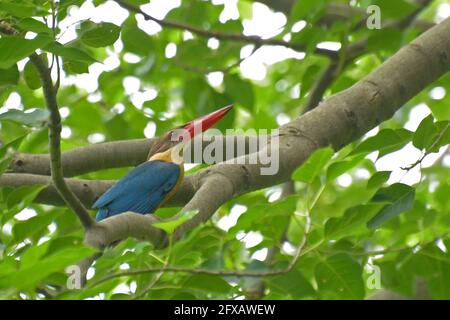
<point x="149" y="185"/>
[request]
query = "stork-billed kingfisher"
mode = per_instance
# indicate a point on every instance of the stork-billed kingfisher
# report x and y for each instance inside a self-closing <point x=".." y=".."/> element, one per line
<point x="145" y="188"/>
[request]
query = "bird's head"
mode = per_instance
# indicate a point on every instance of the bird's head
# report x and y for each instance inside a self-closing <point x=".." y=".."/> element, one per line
<point x="180" y="136"/>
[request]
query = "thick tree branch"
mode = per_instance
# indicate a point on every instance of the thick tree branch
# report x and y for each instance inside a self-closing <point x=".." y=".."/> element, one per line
<point x="107" y="155"/>
<point x="86" y="159"/>
<point x="54" y="136"/>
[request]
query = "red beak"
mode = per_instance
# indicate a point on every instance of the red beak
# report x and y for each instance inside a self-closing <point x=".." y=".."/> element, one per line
<point x="202" y="124"/>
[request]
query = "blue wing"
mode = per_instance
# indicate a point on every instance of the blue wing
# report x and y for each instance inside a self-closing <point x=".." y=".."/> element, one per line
<point x="142" y="190"/>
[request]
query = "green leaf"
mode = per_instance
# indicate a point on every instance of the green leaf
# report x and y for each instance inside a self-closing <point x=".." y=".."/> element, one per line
<point x="385" y="39"/>
<point x="400" y="198"/>
<point x="340" y="167"/>
<point x="15" y="48"/>
<point x="30" y="24"/>
<point x="22" y="197"/>
<point x="292" y="284"/>
<point x="354" y="219"/>
<point x="136" y="2"/>
<point x="9" y="76"/>
<point x="339" y="277"/>
<point x="31" y="76"/>
<point x="30" y="227"/>
<point x="313" y="166"/>
<point x="135" y="40"/>
<point x="101" y="35"/>
<point x="69" y="53"/>
<point x="208" y="283"/>
<point x="245" y="9"/>
<point x="75" y="67"/>
<point x="442" y="137"/>
<point x="386" y="141"/>
<point x="31" y="275"/>
<point x="169" y="226"/>
<point x="394" y="9"/>
<point x="265" y="214"/>
<point x="241" y="91"/>
<point x="377" y="179"/>
<point x="4" y="164"/>
<point x="307" y="8"/>
<point x="22" y="10"/>
<point x="16" y="140"/>
<point x="33" y="118"/>
<point x="425" y="133"/>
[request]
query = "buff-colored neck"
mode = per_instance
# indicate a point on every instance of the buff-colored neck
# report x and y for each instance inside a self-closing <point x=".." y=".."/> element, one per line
<point x="174" y="155"/>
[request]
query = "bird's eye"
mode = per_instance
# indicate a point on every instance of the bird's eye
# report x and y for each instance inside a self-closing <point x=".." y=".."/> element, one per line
<point x="176" y="136"/>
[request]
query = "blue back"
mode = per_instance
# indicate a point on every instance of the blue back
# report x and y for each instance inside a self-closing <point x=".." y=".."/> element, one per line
<point x="142" y="190"/>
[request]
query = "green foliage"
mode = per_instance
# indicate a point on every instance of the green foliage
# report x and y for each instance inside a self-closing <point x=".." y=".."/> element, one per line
<point x="9" y="76"/>
<point x="339" y="276"/>
<point x="386" y="141"/>
<point x="14" y="48"/>
<point x="99" y="35"/>
<point x="400" y="198"/>
<point x="31" y="75"/>
<point x="35" y="117"/>
<point x="169" y="226"/>
<point x="313" y="166"/>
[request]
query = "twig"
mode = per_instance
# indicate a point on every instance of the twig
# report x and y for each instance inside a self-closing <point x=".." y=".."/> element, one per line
<point x="435" y="142"/>
<point x="54" y="135"/>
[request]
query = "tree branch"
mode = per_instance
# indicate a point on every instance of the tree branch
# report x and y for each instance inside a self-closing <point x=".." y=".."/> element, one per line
<point x="109" y="155"/>
<point x="54" y="136"/>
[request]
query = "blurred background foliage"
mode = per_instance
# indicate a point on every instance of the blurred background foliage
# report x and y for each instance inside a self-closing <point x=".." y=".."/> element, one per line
<point x="125" y="78"/>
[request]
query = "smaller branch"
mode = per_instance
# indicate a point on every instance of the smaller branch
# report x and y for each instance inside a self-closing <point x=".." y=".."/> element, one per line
<point x="127" y="224"/>
<point x="54" y="135"/>
<point x="223" y="35"/>
<point x="435" y="142"/>
<point x="107" y="155"/>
